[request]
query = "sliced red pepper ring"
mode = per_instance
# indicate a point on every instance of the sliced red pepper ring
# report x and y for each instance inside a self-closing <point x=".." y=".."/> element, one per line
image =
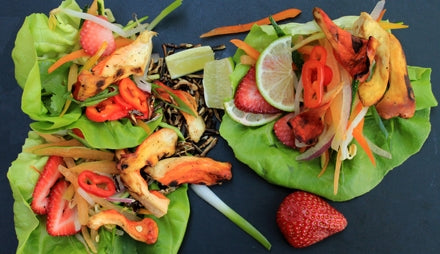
<point x="107" y="110"/>
<point x="313" y="83"/>
<point x="119" y="100"/>
<point x="319" y="53"/>
<point x="96" y="184"/>
<point x="133" y="95"/>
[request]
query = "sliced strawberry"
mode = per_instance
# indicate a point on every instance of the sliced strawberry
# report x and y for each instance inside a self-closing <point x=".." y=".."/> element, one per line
<point x="62" y="220"/>
<point x="93" y="35"/>
<point x="283" y="131"/>
<point x="45" y="182"/>
<point x="249" y="99"/>
<point x="305" y="219"/>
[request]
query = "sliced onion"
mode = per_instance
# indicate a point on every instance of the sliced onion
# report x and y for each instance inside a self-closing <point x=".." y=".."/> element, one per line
<point x="86" y="196"/>
<point x="116" y="199"/>
<point x="344" y="111"/>
<point x="142" y="83"/>
<point x="323" y="144"/>
<point x="377" y="150"/>
<point x="298" y="96"/>
<point x="375" y="13"/>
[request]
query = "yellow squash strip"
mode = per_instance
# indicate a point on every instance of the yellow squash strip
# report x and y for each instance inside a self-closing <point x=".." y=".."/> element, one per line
<point x="74" y="152"/>
<point x="66" y="143"/>
<point x="101" y="166"/>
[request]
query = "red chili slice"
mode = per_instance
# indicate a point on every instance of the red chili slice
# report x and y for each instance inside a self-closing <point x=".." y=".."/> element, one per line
<point x="319" y="53"/>
<point x="107" y="110"/>
<point x="133" y="95"/>
<point x="313" y="83"/>
<point x="96" y="184"/>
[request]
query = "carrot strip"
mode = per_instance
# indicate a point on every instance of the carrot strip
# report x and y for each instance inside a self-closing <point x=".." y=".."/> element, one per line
<point x="282" y="15"/>
<point x="360" y="138"/>
<point x="67" y="58"/>
<point x="248" y="49"/>
<point x="122" y="41"/>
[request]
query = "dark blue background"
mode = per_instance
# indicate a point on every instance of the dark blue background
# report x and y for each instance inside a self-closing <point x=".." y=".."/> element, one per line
<point x="400" y="215"/>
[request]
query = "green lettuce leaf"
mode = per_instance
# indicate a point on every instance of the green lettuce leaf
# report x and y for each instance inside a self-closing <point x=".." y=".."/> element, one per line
<point x="259" y="148"/>
<point x="36" y="47"/>
<point x="31" y="229"/>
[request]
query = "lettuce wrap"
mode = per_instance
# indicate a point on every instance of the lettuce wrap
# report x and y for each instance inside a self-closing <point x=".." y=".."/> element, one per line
<point x="259" y="148"/>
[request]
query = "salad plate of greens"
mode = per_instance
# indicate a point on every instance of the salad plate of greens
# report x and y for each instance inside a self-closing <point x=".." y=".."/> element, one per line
<point x="385" y="202"/>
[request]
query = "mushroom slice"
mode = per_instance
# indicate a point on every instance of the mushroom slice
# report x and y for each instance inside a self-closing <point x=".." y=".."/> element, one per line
<point x="145" y="230"/>
<point x="371" y="91"/>
<point x="355" y="54"/>
<point x="399" y="100"/>
<point x="157" y="145"/>
<point x="194" y="121"/>
<point x="190" y="169"/>
<point x="131" y="59"/>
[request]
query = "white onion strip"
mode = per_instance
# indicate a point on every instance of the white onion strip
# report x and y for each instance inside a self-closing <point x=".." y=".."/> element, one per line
<point x="375" y="13"/>
<point x="104" y="23"/>
<point x="86" y="196"/>
<point x="377" y="150"/>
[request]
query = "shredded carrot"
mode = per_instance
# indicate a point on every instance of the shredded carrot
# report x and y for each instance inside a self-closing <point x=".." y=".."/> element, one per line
<point x="67" y="58"/>
<point x="325" y="159"/>
<point x="360" y="138"/>
<point x="282" y="15"/>
<point x="248" y="49"/>
<point x="306" y="49"/>
<point x="122" y="41"/>
<point x="93" y="8"/>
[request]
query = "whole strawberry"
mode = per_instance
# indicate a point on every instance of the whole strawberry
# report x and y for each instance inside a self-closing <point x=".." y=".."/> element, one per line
<point x="305" y="219"/>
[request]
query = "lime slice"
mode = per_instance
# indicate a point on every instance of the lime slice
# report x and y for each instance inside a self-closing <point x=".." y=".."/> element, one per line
<point x="275" y="76"/>
<point x="248" y="119"/>
<point x="188" y="61"/>
<point x="217" y="86"/>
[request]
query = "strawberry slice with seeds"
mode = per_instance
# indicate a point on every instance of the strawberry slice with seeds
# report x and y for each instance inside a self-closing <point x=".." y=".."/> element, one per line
<point x="45" y="182"/>
<point x="283" y="130"/>
<point x="249" y="99"/>
<point x="93" y="35"/>
<point x="305" y="219"/>
<point x="62" y="220"/>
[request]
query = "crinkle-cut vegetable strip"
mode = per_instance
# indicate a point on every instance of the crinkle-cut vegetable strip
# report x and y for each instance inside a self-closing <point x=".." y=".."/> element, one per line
<point x="282" y="15"/>
<point x="248" y="49"/>
<point x="67" y="58"/>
